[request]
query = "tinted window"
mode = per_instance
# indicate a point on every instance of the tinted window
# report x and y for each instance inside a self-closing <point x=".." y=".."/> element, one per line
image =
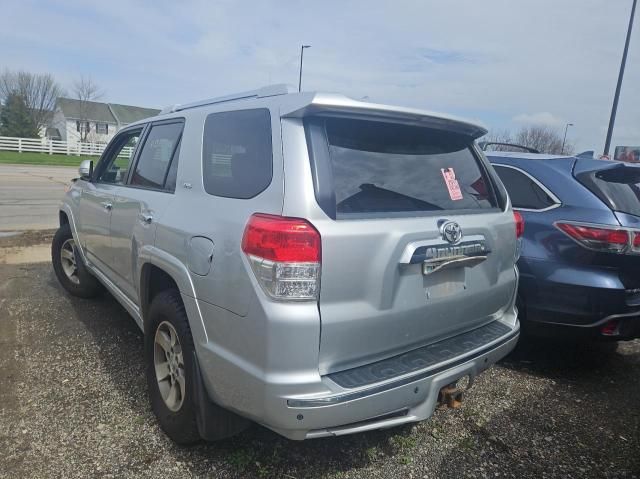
<point x="118" y="159"/>
<point x="386" y="168"/>
<point x="170" y="184"/>
<point x="618" y="187"/>
<point x="237" y="158"/>
<point x="524" y="191"/>
<point x="156" y="155"/>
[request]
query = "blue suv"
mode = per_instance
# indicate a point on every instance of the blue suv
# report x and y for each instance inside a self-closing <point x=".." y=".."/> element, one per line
<point x="580" y="261"/>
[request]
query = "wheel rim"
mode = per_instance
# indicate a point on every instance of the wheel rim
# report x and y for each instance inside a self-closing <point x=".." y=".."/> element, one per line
<point x="169" y="366"/>
<point x="68" y="260"/>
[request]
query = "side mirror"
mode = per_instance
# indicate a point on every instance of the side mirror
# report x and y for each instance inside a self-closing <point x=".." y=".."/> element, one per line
<point x="86" y="170"/>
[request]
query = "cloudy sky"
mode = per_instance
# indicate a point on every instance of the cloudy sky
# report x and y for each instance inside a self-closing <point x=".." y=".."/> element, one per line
<point x="505" y="63"/>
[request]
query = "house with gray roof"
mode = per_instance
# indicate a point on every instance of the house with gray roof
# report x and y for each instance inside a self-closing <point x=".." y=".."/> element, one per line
<point x="91" y="121"/>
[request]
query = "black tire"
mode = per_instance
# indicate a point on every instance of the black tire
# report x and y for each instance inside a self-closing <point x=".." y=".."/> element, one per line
<point x="87" y="286"/>
<point x="181" y="425"/>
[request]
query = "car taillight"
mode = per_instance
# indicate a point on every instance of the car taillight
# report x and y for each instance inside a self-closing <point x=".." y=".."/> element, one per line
<point x="636" y="241"/>
<point x="519" y="224"/>
<point x="599" y="238"/>
<point x="610" y="328"/>
<point x="285" y="255"/>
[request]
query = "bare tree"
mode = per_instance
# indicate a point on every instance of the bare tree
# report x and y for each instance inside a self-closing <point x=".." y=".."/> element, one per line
<point x="38" y="91"/>
<point x="86" y="91"/>
<point x="544" y="139"/>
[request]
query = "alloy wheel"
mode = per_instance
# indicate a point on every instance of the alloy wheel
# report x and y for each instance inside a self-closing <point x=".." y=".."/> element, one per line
<point x="169" y="366"/>
<point x="68" y="260"/>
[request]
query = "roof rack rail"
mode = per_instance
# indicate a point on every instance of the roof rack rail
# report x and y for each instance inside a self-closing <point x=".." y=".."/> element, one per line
<point x="485" y="144"/>
<point x="271" y="90"/>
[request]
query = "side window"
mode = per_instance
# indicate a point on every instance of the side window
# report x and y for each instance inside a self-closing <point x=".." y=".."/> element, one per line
<point x="170" y="184"/>
<point x="158" y="151"/>
<point x="523" y="190"/>
<point x="236" y="155"/>
<point x="118" y="161"/>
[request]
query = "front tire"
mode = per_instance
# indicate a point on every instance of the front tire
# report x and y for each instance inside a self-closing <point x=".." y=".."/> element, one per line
<point x="69" y="268"/>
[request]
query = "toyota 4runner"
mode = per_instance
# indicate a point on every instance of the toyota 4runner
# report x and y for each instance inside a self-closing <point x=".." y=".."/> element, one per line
<point x="318" y="265"/>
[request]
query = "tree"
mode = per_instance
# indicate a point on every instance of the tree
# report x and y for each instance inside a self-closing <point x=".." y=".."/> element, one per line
<point x="545" y="139"/>
<point x="39" y="93"/>
<point x="15" y="118"/>
<point x="86" y="91"/>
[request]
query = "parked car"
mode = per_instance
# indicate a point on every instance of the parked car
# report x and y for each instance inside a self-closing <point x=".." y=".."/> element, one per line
<point x="580" y="260"/>
<point x="318" y="265"/>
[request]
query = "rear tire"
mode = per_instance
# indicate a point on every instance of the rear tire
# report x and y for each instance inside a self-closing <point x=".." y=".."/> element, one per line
<point x="69" y="268"/>
<point x="172" y="373"/>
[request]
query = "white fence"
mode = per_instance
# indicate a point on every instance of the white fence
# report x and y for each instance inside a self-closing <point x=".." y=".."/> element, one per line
<point x="37" y="145"/>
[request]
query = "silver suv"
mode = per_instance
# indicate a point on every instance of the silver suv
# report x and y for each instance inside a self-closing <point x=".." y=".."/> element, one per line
<point x="319" y="265"/>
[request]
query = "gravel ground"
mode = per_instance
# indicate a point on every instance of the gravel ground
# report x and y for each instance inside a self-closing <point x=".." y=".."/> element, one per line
<point x="73" y="404"/>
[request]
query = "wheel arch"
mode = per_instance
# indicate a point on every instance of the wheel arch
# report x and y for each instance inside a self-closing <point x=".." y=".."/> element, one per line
<point x="153" y="280"/>
<point x="63" y="219"/>
<point x="158" y="271"/>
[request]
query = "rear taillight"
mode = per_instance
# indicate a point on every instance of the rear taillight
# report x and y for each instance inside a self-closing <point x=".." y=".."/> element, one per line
<point x="285" y="255"/>
<point x="599" y="238"/>
<point x="636" y="241"/>
<point x="519" y="224"/>
<point x="610" y="328"/>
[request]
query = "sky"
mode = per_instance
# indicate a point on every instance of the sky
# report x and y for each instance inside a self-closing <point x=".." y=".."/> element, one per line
<point x="503" y="63"/>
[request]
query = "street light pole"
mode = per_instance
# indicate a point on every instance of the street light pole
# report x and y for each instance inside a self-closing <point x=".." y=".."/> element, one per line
<point x="614" y="108"/>
<point x="566" y="127"/>
<point x="302" y="47"/>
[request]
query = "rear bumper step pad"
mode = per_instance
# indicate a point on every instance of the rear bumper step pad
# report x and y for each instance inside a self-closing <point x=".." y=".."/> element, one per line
<point x="421" y="358"/>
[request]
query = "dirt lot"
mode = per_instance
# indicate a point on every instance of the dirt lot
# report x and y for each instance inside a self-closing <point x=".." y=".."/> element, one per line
<point x="73" y="404"/>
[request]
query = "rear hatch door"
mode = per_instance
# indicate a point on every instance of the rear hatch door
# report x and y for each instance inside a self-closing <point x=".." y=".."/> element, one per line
<point x="417" y="247"/>
<point x="617" y="184"/>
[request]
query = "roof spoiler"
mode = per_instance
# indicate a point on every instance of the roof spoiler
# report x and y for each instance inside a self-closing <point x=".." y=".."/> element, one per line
<point x="340" y="105"/>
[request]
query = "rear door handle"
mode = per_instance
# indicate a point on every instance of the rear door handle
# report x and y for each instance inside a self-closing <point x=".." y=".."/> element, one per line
<point x="107" y="205"/>
<point x="146" y="218"/>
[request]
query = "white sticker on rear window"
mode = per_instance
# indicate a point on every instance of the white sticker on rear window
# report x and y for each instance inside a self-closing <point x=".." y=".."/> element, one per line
<point x="452" y="184"/>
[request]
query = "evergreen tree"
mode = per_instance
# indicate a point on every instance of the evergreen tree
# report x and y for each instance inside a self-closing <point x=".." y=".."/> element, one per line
<point x="15" y="119"/>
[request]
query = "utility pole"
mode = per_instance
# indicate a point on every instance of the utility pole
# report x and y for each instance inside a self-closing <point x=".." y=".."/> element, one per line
<point x="566" y="127"/>
<point x="302" y="47"/>
<point x="614" y="109"/>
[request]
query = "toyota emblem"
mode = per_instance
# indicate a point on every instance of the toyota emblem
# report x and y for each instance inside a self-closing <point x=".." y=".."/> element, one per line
<point x="451" y="232"/>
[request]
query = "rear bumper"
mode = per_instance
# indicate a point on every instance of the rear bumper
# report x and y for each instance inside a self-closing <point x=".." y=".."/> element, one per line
<point x="299" y="403"/>
<point x="575" y="300"/>
<point x="618" y="327"/>
<point x="400" y="399"/>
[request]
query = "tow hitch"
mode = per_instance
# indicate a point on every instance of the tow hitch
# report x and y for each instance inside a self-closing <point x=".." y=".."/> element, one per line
<point x="452" y="394"/>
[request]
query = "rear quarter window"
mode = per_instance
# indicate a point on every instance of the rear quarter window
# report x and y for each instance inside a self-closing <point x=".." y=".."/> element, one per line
<point x="524" y="191"/>
<point x="385" y="169"/>
<point x="237" y="157"/>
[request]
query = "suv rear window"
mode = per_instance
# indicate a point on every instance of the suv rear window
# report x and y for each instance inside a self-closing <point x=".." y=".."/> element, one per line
<point x="391" y="169"/>
<point x="618" y="187"/>
<point x="524" y="191"/>
<point x="237" y="159"/>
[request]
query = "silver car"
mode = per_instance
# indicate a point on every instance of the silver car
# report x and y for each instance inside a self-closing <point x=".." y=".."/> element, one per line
<point x="315" y="264"/>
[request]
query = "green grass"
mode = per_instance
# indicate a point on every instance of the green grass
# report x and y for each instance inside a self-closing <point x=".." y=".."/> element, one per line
<point x="15" y="158"/>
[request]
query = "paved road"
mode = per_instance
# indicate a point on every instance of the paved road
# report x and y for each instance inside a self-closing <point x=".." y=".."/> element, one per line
<point x="29" y="195"/>
<point x="73" y="403"/>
